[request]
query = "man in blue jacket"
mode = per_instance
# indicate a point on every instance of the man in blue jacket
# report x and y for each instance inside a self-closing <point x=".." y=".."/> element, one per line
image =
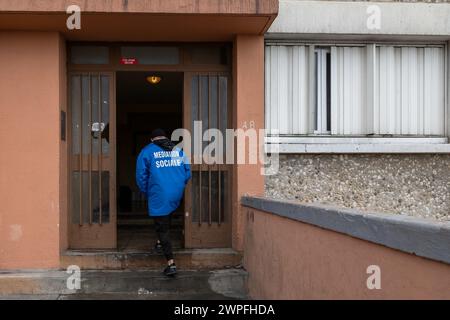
<point x="162" y="172"/>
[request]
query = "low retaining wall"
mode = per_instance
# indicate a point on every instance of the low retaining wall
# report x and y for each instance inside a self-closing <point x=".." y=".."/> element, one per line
<point x="295" y="251"/>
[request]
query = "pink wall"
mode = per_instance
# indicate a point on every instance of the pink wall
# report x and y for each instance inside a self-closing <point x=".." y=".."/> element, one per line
<point x="30" y="99"/>
<point x="248" y="95"/>
<point x="287" y="259"/>
<point x="63" y="145"/>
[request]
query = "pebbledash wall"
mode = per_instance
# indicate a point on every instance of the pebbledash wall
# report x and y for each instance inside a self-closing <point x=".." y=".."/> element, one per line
<point x="425" y="1"/>
<point x="407" y="184"/>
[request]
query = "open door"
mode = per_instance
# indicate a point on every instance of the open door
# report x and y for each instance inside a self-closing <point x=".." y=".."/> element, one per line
<point x="208" y="195"/>
<point x="92" y="161"/>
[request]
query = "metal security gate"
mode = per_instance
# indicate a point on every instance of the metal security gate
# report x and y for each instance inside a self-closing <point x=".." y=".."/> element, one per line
<point x="92" y="161"/>
<point x="208" y="205"/>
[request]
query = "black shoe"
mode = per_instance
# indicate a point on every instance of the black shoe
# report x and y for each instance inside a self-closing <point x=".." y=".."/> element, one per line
<point x="170" y="270"/>
<point x="158" y="248"/>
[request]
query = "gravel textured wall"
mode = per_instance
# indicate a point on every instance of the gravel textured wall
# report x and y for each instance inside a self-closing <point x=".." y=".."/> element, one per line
<point x="417" y="185"/>
<point x="426" y="1"/>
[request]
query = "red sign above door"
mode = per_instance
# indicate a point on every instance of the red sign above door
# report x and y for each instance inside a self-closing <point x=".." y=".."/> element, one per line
<point x="128" y="61"/>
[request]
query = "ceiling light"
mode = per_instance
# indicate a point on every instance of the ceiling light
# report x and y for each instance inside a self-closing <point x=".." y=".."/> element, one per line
<point x="154" y="79"/>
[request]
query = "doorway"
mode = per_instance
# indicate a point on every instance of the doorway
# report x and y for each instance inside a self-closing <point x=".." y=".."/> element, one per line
<point x="143" y="104"/>
<point x="112" y="109"/>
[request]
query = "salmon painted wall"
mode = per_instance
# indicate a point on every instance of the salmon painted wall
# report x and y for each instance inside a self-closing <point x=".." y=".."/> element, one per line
<point x="287" y="259"/>
<point x="63" y="145"/>
<point x="30" y="100"/>
<point x="248" y="101"/>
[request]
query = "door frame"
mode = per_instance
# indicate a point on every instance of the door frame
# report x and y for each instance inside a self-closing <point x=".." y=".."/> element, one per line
<point x="186" y="67"/>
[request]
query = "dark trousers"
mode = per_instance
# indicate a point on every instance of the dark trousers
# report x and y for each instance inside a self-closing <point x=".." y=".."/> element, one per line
<point x="162" y="226"/>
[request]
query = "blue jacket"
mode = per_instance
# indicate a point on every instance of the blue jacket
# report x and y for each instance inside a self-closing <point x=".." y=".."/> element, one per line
<point x="162" y="176"/>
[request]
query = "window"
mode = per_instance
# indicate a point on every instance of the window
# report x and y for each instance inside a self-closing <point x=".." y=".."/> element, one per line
<point x="212" y="55"/>
<point x="287" y="97"/>
<point x="323" y="88"/>
<point x="348" y="93"/>
<point x="89" y="55"/>
<point x="355" y="90"/>
<point x="409" y="91"/>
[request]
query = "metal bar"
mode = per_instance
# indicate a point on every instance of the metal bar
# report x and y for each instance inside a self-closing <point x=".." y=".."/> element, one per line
<point x="219" y="179"/>
<point x="81" y="150"/>
<point x="90" y="149"/>
<point x="446" y="95"/>
<point x="200" y="195"/>
<point x="100" y="151"/>
<point x="201" y="142"/>
<point x="219" y="174"/>
<point x="209" y="139"/>
<point x="209" y="195"/>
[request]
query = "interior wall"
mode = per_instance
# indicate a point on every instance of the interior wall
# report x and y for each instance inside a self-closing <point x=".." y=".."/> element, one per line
<point x="134" y="126"/>
<point x="30" y="85"/>
<point x="141" y="108"/>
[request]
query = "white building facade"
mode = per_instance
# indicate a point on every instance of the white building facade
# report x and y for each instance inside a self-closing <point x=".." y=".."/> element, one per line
<point x="358" y="92"/>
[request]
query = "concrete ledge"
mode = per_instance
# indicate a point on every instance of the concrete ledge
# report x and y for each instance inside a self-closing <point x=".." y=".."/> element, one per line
<point x="329" y="139"/>
<point x="335" y="144"/>
<point x="356" y="148"/>
<point x="139" y="6"/>
<point x="424" y="238"/>
<point x="297" y="18"/>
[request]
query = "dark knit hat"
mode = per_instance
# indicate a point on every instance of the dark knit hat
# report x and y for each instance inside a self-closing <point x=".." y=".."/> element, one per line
<point x="158" y="133"/>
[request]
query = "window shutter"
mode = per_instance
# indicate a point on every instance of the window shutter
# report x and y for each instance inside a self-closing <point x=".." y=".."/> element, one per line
<point x="348" y="90"/>
<point x="287" y="89"/>
<point x="409" y="84"/>
<point x="375" y="89"/>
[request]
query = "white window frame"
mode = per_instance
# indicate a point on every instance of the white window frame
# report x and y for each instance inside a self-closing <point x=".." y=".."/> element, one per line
<point x="323" y="143"/>
<point x="321" y="91"/>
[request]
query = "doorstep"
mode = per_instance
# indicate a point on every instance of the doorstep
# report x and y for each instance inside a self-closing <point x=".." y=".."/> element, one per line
<point x="186" y="259"/>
